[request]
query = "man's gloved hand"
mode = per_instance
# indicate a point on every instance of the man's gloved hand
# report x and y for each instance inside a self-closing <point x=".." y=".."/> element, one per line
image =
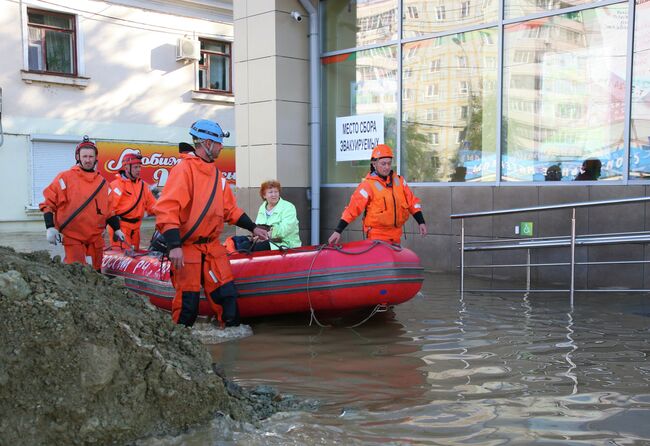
<point x="53" y="236"/>
<point x="118" y="236"/>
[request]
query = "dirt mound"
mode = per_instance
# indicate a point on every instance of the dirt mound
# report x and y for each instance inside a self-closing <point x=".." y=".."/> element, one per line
<point x="83" y="360"/>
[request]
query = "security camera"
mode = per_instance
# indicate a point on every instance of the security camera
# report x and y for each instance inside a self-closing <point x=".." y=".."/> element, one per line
<point x="296" y="16"/>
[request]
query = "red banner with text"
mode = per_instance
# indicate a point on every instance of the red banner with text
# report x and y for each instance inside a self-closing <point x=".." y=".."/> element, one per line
<point x="157" y="160"/>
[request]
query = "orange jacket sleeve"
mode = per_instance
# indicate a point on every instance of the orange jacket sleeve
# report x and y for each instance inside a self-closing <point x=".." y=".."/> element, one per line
<point x="414" y="202"/>
<point x="231" y="212"/>
<point x="114" y="196"/>
<point x="149" y="200"/>
<point x="174" y="199"/>
<point x="54" y="195"/>
<point x="358" y="202"/>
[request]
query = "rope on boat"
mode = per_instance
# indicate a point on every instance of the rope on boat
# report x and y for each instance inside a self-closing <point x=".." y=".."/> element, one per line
<point x="313" y="317"/>
<point x="379" y="308"/>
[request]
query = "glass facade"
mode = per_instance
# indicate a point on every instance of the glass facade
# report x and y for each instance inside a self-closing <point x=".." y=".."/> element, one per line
<point x="547" y="102"/>
<point x="564" y="95"/>
<point x="358" y="83"/>
<point x="640" y="126"/>
<point x="449" y="107"/>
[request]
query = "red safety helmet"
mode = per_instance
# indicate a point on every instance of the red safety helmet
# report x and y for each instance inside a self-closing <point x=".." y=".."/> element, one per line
<point x="381" y="151"/>
<point x="85" y="144"/>
<point x="131" y="159"/>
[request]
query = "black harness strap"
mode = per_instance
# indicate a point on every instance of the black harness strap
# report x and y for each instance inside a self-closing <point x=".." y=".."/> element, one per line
<point x="136" y="203"/>
<point x="81" y="208"/>
<point x="205" y="210"/>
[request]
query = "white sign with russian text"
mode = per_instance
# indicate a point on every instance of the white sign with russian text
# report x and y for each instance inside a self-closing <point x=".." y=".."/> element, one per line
<point x="356" y="136"/>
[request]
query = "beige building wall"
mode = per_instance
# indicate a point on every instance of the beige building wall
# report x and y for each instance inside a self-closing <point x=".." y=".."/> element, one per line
<point x="271" y="74"/>
<point x="130" y="86"/>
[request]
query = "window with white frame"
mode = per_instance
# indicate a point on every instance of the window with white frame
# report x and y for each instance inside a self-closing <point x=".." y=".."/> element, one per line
<point x="434" y="65"/>
<point x="215" y="66"/>
<point x="413" y="12"/>
<point x="434" y="139"/>
<point x="463" y="88"/>
<point x="432" y="90"/>
<point x="464" y="9"/>
<point x="440" y="13"/>
<point x="51" y="46"/>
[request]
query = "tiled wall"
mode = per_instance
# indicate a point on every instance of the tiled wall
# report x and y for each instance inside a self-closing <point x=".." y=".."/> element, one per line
<point x="439" y="251"/>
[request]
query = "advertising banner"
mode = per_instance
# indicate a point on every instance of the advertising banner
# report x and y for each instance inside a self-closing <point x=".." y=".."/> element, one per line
<point x="357" y="135"/>
<point x="157" y="160"/>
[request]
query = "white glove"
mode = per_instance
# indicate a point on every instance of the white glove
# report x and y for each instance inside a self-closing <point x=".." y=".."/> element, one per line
<point x="118" y="236"/>
<point x="53" y="236"/>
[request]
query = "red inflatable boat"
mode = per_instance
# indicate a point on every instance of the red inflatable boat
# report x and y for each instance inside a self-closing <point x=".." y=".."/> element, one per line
<point x="319" y="278"/>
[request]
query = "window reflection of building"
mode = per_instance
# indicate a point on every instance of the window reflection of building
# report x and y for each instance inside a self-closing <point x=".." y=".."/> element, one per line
<point x="640" y="124"/>
<point x="560" y="92"/>
<point x="519" y="8"/>
<point x="350" y="24"/>
<point x="563" y="87"/>
<point x="445" y="86"/>
<point x="423" y="17"/>
<point x="358" y="83"/>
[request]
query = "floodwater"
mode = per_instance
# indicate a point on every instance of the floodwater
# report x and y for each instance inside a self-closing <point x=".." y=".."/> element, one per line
<point x="441" y="370"/>
<point x="445" y="370"/>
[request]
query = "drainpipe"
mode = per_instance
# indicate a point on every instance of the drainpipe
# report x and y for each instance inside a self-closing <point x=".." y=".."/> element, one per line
<point x="314" y="119"/>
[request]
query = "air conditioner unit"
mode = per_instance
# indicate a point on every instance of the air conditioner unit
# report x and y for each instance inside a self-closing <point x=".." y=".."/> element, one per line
<point x="188" y="49"/>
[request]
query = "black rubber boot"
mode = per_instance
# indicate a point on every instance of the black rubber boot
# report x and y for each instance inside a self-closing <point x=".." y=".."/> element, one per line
<point x="190" y="308"/>
<point x="226" y="296"/>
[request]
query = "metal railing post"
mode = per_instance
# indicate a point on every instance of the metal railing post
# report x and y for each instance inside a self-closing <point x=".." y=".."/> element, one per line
<point x="573" y="253"/>
<point x="462" y="256"/>
<point x="528" y="270"/>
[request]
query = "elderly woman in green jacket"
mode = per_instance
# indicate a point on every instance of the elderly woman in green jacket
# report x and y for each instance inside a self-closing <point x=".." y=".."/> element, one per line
<point x="280" y="215"/>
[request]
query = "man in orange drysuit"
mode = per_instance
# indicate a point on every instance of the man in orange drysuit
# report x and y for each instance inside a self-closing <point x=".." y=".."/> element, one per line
<point x="77" y="209"/>
<point x="130" y="198"/>
<point x="190" y="213"/>
<point x="385" y="200"/>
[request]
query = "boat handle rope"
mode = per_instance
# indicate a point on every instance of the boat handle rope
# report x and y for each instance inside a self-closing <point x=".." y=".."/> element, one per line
<point x="379" y="308"/>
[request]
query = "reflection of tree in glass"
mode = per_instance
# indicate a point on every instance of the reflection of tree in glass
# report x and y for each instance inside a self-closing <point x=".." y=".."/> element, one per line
<point x="419" y="162"/>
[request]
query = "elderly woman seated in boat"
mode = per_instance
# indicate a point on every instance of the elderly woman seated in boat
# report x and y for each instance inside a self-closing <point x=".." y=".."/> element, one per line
<point x="279" y="216"/>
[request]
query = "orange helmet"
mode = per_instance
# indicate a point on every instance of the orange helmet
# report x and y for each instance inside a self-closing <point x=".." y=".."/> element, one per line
<point x="132" y="158"/>
<point x="381" y="151"/>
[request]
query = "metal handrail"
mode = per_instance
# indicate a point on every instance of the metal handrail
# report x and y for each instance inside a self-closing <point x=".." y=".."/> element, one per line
<point x="571" y="241"/>
<point x="582" y="204"/>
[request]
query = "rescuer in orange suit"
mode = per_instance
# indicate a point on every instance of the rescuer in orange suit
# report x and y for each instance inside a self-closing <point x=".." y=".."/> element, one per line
<point x="385" y="200"/>
<point x="130" y="198"/>
<point x="190" y="214"/>
<point x="77" y="208"/>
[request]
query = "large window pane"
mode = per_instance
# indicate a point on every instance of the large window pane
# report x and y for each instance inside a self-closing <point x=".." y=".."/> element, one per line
<point x="357" y="83"/>
<point x="640" y="128"/>
<point x="519" y="8"/>
<point x="422" y="17"/>
<point x="350" y="24"/>
<point x="449" y="108"/>
<point x="564" y="96"/>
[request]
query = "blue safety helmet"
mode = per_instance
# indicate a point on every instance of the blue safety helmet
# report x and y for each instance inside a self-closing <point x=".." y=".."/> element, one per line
<point x="205" y="129"/>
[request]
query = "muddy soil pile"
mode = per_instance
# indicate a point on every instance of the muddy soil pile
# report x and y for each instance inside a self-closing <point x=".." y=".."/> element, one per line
<point x="85" y="361"/>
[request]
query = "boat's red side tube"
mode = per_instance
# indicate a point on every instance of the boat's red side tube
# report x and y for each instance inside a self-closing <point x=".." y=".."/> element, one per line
<point x="355" y="275"/>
